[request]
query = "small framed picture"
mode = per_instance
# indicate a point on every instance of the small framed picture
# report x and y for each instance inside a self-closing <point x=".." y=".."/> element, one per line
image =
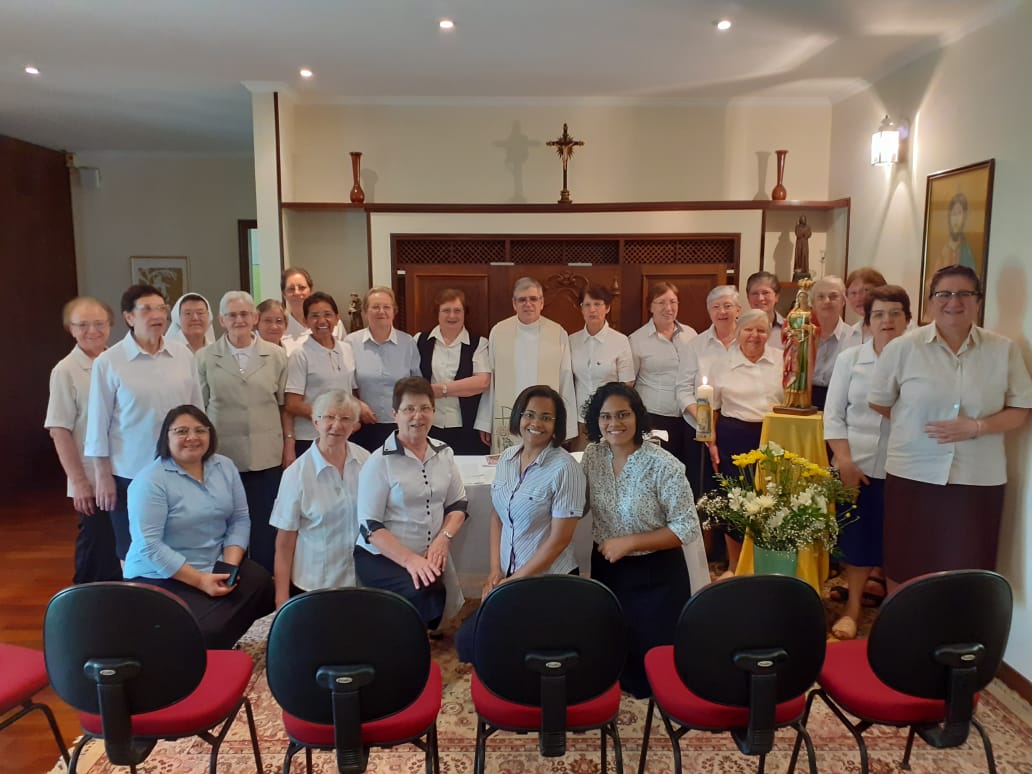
<point x="168" y="273"/>
<point x="958" y="203"/>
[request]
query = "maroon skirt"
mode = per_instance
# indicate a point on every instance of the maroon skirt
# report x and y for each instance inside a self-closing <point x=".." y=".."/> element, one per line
<point x="935" y="527"/>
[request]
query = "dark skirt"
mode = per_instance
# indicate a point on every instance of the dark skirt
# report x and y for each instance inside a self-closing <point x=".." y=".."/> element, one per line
<point x="95" y="555"/>
<point x="371" y="437"/>
<point x="224" y="620"/>
<point x="735" y="437"/>
<point x="860" y="541"/>
<point x="462" y="440"/>
<point x="120" y="516"/>
<point x="933" y="527"/>
<point x="652" y="589"/>
<point x="378" y="572"/>
<point x="261" y="488"/>
<point x="682" y="444"/>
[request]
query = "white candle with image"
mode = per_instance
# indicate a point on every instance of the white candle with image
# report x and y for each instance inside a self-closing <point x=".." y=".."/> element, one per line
<point x="704" y="411"/>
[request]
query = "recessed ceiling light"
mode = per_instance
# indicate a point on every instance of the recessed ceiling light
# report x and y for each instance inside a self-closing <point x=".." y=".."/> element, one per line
<point x="304" y="72"/>
<point x="446" y="24"/>
<point x="723" y="25"/>
<point x="31" y="70"/>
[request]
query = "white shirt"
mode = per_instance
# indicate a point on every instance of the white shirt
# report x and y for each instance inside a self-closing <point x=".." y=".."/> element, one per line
<point x="525" y="355"/>
<point x="597" y="360"/>
<point x="130" y="394"/>
<point x="242" y="355"/>
<point x="69" y="398"/>
<point x="297" y="334"/>
<point x="848" y="416"/>
<point x="657" y="362"/>
<point x="774" y="339"/>
<point x="444" y="364"/>
<point x="321" y="505"/>
<point x="745" y="390"/>
<point x="704" y="351"/>
<point x="923" y="380"/>
<point x="312" y="369"/>
<point x="842" y="338"/>
<point x="552" y="487"/>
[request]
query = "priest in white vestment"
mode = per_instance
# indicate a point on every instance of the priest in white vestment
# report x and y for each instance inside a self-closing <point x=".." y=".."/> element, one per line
<point x="525" y="349"/>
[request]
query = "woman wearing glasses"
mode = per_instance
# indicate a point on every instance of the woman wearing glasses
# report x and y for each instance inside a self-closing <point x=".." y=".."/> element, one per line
<point x="189" y="522"/>
<point x="321" y="363"/>
<point x="191" y="322"/>
<point x="133" y="385"/>
<point x="316" y="510"/>
<point x="242" y="382"/>
<point x="383" y="355"/>
<point x="648" y="544"/>
<point x="89" y="322"/>
<point x="411" y="505"/>
<point x="951" y="390"/>
<point x="829" y="301"/>
<point x="537" y="499"/>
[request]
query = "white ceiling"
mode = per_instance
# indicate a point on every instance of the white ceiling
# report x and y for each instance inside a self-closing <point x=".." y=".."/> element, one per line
<point x="169" y="75"/>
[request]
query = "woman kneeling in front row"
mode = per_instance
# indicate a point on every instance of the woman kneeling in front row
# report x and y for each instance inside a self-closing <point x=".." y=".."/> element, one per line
<point x="187" y="510"/>
<point x="648" y="543"/>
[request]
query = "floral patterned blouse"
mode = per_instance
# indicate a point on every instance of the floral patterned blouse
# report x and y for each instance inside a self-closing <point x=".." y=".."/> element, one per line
<point x="651" y="492"/>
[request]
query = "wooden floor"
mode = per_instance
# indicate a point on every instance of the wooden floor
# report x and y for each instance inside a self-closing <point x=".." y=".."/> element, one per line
<point x="35" y="563"/>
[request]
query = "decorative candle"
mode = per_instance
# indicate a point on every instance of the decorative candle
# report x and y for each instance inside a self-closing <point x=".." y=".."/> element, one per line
<point x="704" y="411"/>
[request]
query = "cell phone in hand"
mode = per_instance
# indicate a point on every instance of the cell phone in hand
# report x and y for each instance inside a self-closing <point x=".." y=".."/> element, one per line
<point x="232" y="570"/>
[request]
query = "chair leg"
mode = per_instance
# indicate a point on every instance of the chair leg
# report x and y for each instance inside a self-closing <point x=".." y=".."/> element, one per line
<point x="254" y="735"/>
<point x="799" y="738"/>
<point x="905" y="765"/>
<point x="308" y="760"/>
<point x="77" y="752"/>
<point x="292" y="750"/>
<point x="617" y="747"/>
<point x="811" y="754"/>
<point x="645" y="736"/>
<point x="480" y="750"/>
<point x="602" y="732"/>
<point x="989" y="759"/>
<point x="432" y="761"/>
<point x="675" y="740"/>
<point x="762" y="764"/>
<point x="855" y="730"/>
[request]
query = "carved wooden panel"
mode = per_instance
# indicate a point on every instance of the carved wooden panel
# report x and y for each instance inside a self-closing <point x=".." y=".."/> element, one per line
<point x="444" y="248"/>
<point x="721" y="248"/>
<point x="423" y="283"/>
<point x="693" y="281"/>
<point x="564" y="250"/>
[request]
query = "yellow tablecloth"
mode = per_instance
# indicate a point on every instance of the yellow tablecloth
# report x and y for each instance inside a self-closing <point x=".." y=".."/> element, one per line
<point x="803" y="435"/>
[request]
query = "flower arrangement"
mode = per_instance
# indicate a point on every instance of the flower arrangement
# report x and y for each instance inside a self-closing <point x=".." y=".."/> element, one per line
<point x="781" y="500"/>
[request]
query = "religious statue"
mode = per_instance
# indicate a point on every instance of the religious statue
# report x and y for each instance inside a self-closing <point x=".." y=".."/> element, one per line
<point x="355" y="314"/>
<point x="564" y="146"/>
<point x="802" y="247"/>
<point x="799" y="335"/>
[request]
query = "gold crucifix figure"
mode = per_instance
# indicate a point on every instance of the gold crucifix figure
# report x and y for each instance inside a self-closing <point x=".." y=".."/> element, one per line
<point x="564" y="148"/>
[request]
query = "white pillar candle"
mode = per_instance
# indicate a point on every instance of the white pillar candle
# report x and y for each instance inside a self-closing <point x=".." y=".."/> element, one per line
<point x="704" y="411"/>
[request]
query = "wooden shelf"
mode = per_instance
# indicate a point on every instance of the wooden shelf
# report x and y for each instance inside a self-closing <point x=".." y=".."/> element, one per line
<point x="732" y="204"/>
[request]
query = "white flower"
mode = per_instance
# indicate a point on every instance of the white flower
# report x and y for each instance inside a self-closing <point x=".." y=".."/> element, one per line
<point x="766" y="502"/>
<point x="775" y="450"/>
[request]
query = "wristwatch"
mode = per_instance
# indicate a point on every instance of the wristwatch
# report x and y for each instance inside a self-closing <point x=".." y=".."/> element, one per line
<point x="447" y="534"/>
<point x="444" y="389"/>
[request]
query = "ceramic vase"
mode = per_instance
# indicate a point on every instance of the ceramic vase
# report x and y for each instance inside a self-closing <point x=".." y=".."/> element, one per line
<point x="767" y="561"/>
<point x="779" y="194"/>
<point x="357" y="194"/>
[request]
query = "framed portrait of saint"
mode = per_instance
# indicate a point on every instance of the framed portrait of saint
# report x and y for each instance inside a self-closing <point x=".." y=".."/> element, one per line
<point x="958" y="203"/>
<point x="169" y="274"/>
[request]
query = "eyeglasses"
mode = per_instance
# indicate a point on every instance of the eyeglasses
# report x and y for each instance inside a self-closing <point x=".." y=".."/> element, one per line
<point x="413" y="410"/>
<point x="828" y="297"/>
<point x="378" y="308"/>
<point x="619" y="416"/>
<point x="238" y="315"/>
<point x="882" y="313"/>
<point x="196" y="314"/>
<point x="531" y="416"/>
<point x="963" y="295"/>
<point x="297" y="289"/>
<point x="527" y="299"/>
<point x="147" y="308"/>
<point x="333" y="418"/>
<point x="723" y="307"/>
<point x="183" y="432"/>
<point x="97" y="325"/>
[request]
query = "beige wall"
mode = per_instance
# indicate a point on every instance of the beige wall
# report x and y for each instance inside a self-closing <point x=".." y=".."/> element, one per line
<point x="968" y="103"/>
<point x="161" y="205"/>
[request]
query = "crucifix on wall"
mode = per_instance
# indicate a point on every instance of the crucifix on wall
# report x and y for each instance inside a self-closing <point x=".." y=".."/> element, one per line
<point x="564" y="146"/>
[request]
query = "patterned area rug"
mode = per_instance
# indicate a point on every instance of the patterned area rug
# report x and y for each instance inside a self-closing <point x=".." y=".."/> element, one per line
<point x="1006" y="716"/>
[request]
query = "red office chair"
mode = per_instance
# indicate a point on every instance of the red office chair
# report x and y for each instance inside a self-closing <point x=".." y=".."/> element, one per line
<point x="745" y="652"/>
<point x="23" y="674"/>
<point x="351" y="669"/>
<point x="936" y="642"/>
<point x="547" y="656"/>
<point x="131" y="659"/>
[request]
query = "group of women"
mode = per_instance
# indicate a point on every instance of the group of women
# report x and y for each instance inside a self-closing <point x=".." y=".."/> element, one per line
<point x="329" y="457"/>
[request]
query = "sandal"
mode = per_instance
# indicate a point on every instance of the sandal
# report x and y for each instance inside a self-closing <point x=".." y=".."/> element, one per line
<point x="838" y="593"/>
<point x="844" y="628"/>
<point x="874" y="591"/>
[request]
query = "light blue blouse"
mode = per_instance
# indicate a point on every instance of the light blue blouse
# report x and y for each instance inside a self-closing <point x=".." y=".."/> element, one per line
<point x="174" y="519"/>
<point x="379" y="366"/>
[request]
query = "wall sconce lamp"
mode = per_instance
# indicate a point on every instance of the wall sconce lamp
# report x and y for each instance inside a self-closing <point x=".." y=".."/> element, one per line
<point x="888" y="144"/>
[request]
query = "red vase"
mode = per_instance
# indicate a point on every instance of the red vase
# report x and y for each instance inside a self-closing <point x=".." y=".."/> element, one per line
<point x="357" y="194"/>
<point x="779" y="194"/>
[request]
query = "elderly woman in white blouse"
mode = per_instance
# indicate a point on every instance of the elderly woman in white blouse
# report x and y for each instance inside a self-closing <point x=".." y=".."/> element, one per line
<point x="598" y="353"/>
<point x="747" y="384"/>
<point x="647" y="540"/>
<point x="411" y="505"/>
<point x="316" y="511"/>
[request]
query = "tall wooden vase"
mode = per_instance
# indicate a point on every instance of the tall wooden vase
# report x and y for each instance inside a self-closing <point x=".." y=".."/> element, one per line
<point x="357" y="194"/>
<point x="779" y="194"/>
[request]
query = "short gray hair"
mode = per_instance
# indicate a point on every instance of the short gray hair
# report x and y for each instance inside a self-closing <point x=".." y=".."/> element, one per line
<point x="828" y="283"/>
<point x="751" y="316"/>
<point x="724" y="290"/>
<point x="526" y="282"/>
<point x="331" y="398"/>
<point x="235" y="295"/>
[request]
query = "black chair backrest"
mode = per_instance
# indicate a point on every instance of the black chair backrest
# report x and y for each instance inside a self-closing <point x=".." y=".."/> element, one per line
<point x="752" y="641"/>
<point x="942" y="636"/>
<point x="550" y="641"/>
<point x="122" y="649"/>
